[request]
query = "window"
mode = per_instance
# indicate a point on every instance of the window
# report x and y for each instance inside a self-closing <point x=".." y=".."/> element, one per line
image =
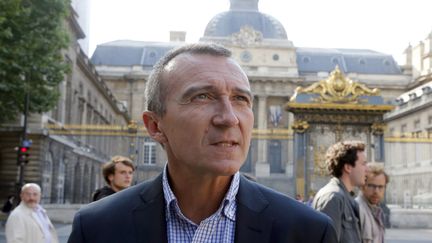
<point x="416" y="124"/>
<point x="416" y="134"/>
<point x="403" y="130"/>
<point x="392" y="131"/>
<point x="429" y="133"/>
<point x="335" y="61"/>
<point x="149" y="152"/>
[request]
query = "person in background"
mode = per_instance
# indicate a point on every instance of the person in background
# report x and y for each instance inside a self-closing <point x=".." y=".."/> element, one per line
<point x="118" y="174"/>
<point x="299" y="198"/>
<point x="371" y="195"/>
<point x="310" y="199"/>
<point x="28" y="222"/>
<point x="199" y="108"/>
<point x="8" y="205"/>
<point x="346" y="162"/>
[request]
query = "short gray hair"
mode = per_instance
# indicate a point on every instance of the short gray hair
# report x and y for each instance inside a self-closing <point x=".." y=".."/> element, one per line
<point x="28" y="185"/>
<point x="154" y="95"/>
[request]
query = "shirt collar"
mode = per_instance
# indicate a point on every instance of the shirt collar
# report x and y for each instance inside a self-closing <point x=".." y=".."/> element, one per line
<point x="227" y="207"/>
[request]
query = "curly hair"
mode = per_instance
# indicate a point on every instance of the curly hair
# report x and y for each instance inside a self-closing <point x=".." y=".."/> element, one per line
<point x="342" y="153"/>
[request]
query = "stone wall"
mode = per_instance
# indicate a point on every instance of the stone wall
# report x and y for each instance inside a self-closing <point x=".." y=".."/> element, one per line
<point x="411" y="218"/>
<point x="62" y="213"/>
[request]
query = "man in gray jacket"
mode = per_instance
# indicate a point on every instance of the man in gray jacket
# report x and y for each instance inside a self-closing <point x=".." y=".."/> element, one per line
<point x="346" y="162"/>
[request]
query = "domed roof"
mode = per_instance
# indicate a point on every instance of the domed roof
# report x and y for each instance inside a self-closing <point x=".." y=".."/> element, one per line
<point x="244" y="13"/>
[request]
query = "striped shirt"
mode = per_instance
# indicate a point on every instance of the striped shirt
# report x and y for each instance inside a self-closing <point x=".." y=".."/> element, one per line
<point x="219" y="227"/>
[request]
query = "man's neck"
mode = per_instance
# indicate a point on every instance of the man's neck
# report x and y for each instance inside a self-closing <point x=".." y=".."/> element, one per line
<point x="347" y="182"/>
<point x="199" y="198"/>
<point x="114" y="188"/>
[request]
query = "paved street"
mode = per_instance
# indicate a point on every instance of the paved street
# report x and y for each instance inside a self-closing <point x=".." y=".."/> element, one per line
<point x="392" y="235"/>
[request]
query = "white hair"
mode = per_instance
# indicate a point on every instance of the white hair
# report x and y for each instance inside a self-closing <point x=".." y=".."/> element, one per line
<point x="29" y="185"/>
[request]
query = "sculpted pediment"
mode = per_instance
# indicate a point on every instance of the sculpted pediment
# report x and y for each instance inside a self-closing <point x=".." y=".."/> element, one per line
<point x="247" y="36"/>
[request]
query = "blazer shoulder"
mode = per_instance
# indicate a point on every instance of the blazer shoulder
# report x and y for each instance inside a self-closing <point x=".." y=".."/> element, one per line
<point x="125" y="200"/>
<point x="277" y="204"/>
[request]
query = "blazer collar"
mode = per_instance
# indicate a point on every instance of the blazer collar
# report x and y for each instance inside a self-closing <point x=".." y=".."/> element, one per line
<point x="149" y="216"/>
<point x="252" y="225"/>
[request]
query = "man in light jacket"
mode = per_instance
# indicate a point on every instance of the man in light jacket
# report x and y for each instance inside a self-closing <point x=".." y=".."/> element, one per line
<point x="29" y="223"/>
<point x="371" y="215"/>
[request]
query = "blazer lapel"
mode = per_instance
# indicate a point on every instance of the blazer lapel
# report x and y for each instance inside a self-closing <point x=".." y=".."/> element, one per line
<point x="149" y="217"/>
<point x="252" y="225"/>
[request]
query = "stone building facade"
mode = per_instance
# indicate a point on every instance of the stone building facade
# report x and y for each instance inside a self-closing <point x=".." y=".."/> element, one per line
<point x="99" y="112"/>
<point x="65" y="159"/>
<point x="409" y="137"/>
<point x="275" y="68"/>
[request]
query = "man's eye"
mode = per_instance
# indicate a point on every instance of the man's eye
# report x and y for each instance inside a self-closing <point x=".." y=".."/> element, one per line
<point x="242" y="98"/>
<point x="202" y="96"/>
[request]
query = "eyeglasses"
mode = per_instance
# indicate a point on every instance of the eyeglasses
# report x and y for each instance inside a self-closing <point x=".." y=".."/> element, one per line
<point x="374" y="187"/>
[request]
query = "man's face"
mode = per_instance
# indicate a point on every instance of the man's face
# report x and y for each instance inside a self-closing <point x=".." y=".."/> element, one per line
<point x="31" y="196"/>
<point x="374" y="189"/>
<point x="122" y="177"/>
<point x="208" y="123"/>
<point x="358" y="172"/>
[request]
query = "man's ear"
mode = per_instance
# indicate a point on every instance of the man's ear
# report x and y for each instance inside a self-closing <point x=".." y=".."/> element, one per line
<point x="347" y="168"/>
<point x="110" y="178"/>
<point x="151" y="122"/>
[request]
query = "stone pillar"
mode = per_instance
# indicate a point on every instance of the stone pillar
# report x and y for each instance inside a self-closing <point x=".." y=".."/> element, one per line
<point x="300" y="157"/>
<point x="378" y="141"/>
<point x="262" y="167"/>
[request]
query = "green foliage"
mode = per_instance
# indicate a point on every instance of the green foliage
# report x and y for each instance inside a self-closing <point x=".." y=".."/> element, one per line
<point x="32" y="37"/>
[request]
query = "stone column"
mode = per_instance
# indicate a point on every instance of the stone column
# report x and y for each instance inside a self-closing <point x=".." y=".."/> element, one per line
<point x="262" y="167"/>
<point x="378" y="141"/>
<point x="300" y="157"/>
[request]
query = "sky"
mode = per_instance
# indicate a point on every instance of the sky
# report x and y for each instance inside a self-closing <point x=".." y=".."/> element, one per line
<point x="386" y="26"/>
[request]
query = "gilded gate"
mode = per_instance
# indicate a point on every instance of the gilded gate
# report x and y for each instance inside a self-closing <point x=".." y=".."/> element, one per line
<point x="328" y="111"/>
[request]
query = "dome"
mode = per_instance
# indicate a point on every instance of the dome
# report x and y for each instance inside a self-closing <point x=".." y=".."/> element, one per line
<point x="244" y="13"/>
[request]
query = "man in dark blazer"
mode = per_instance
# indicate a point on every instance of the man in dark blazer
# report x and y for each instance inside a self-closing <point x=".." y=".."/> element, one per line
<point x="199" y="108"/>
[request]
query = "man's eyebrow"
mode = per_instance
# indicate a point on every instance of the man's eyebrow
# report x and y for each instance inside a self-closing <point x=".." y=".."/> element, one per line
<point x="195" y="89"/>
<point x="210" y="88"/>
<point x="244" y="92"/>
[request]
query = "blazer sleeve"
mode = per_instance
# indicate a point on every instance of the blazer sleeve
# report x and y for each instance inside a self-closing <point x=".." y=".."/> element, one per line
<point x="76" y="235"/>
<point x="333" y="207"/>
<point x="330" y="234"/>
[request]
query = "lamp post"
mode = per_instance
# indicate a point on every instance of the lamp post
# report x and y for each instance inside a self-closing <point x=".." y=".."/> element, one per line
<point x="24" y="143"/>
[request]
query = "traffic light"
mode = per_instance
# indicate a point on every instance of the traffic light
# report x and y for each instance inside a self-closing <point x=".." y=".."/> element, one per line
<point x="23" y="154"/>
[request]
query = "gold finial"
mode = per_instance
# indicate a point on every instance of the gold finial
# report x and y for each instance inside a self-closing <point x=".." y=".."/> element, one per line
<point x="132" y="126"/>
<point x="300" y="126"/>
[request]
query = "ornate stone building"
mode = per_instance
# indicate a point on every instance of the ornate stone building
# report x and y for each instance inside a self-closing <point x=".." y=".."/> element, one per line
<point x="67" y="150"/>
<point x="275" y="67"/>
<point x="99" y="112"/>
<point x="409" y="137"/>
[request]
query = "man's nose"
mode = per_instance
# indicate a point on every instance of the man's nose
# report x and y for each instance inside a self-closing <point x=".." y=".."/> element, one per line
<point x="225" y="114"/>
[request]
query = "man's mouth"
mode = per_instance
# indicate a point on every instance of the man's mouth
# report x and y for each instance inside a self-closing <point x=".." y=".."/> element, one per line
<point x="226" y="144"/>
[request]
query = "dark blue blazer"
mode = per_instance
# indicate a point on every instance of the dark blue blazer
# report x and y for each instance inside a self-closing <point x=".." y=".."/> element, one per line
<point x="137" y="215"/>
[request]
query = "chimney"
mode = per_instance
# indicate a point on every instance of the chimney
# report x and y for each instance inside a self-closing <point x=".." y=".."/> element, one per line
<point x="177" y="36"/>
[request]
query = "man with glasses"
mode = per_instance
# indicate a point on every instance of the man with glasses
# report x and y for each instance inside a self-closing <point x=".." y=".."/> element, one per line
<point x="369" y="199"/>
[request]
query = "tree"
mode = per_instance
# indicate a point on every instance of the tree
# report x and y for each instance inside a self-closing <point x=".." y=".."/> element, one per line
<point x="32" y="37"/>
